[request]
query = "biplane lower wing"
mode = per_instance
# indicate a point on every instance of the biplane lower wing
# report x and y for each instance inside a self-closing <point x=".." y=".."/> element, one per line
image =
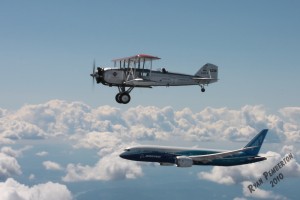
<point x="139" y="82"/>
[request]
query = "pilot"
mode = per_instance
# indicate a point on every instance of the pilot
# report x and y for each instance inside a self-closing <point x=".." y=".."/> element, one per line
<point x="164" y="70"/>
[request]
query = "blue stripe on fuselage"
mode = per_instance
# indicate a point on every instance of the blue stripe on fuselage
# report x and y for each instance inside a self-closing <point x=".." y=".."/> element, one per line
<point x="164" y="156"/>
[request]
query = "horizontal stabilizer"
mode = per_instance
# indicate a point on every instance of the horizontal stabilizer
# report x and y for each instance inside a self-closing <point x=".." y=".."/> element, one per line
<point x="205" y="80"/>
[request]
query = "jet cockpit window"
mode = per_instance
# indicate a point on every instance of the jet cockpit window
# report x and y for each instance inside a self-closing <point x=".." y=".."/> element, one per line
<point x="126" y="149"/>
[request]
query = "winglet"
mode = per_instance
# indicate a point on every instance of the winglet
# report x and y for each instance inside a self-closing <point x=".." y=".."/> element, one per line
<point x="256" y="142"/>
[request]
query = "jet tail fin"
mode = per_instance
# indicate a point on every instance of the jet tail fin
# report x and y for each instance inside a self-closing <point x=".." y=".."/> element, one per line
<point x="209" y="71"/>
<point x="256" y="143"/>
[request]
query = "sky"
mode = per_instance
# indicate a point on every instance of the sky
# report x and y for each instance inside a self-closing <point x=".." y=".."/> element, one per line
<point x="60" y="136"/>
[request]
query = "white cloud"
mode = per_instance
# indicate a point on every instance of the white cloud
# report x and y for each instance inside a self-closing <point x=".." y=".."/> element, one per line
<point x="3" y="112"/>
<point x="15" y="129"/>
<point x="249" y="174"/>
<point x="42" y="153"/>
<point x="75" y="119"/>
<point x="49" y="165"/>
<point x="31" y="177"/>
<point x="237" y="174"/>
<point x="8" y="166"/>
<point x="109" y="167"/>
<point x="14" y="153"/>
<point x="260" y="193"/>
<point x="239" y="198"/>
<point x="98" y="140"/>
<point x="107" y="128"/>
<point x="10" y="152"/>
<point x="291" y="114"/>
<point x="12" y="190"/>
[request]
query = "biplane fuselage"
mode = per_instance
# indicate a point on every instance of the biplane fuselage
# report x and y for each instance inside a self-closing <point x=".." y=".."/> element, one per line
<point x="136" y="71"/>
<point x="146" y="78"/>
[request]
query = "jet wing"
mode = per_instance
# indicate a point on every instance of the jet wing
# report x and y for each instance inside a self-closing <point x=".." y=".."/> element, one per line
<point x="210" y="157"/>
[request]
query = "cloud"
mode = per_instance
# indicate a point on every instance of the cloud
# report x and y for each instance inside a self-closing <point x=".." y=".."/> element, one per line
<point x="98" y="140"/>
<point x="239" y="198"/>
<point x="42" y="153"/>
<point x="3" y="112"/>
<point x="237" y="174"/>
<point x="107" y="128"/>
<point x="49" y="165"/>
<point x="9" y="166"/>
<point x="12" y="190"/>
<point x="249" y="174"/>
<point x="13" y="130"/>
<point x="14" y="153"/>
<point x="291" y="114"/>
<point x="31" y="177"/>
<point x="260" y="193"/>
<point x="75" y="119"/>
<point x="109" y="167"/>
<point x="10" y="152"/>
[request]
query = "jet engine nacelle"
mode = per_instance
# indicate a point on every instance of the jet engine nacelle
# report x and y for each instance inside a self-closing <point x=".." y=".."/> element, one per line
<point x="183" y="161"/>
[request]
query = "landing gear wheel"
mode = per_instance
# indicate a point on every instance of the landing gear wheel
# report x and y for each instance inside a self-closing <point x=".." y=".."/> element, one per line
<point x="118" y="98"/>
<point x="203" y="89"/>
<point x="124" y="97"/>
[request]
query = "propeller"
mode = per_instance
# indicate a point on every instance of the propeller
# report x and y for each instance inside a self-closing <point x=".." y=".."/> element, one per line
<point x="93" y="74"/>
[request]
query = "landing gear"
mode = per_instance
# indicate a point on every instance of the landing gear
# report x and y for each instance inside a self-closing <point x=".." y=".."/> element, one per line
<point x="202" y="88"/>
<point x="123" y="95"/>
<point x="118" y="98"/>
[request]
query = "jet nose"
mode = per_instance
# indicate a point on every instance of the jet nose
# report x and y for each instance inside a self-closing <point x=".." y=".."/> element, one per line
<point x="122" y="155"/>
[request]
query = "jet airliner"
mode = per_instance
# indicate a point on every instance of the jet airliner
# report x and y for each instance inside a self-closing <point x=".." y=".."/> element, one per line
<point x="186" y="157"/>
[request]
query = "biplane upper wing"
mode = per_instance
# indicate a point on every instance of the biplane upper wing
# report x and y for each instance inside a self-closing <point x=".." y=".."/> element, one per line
<point x="141" y="57"/>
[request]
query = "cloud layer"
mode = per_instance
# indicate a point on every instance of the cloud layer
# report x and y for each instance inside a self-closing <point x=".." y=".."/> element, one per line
<point x="249" y="174"/>
<point x="109" y="130"/>
<point x="13" y="190"/>
<point x="73" y="119"/>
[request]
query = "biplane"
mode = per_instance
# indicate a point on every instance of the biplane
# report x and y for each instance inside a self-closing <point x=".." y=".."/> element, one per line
<point x="137" y="71"/>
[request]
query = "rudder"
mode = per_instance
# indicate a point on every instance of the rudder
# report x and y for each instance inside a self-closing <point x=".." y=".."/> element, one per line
<point x="208" y="71"/>
<point x="256" y="142"/>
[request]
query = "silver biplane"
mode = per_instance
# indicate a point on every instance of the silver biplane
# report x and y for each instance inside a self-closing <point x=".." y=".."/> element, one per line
<point x="136" y="71"/>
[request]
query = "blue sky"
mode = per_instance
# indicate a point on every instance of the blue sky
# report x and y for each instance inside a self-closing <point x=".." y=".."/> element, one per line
<point x="47" y="51"/>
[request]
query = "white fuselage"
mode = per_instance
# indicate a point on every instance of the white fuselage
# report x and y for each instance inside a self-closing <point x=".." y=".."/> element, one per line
<point x="147" y="78"/>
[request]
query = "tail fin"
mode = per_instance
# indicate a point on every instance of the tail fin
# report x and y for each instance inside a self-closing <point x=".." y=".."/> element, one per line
<point x="256" y="142"/>
<point x="208" y="71"/>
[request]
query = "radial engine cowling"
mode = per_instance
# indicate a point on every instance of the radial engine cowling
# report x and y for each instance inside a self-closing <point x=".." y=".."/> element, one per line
<point x="100" y="74"/>
<point x="183" y="161"/>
